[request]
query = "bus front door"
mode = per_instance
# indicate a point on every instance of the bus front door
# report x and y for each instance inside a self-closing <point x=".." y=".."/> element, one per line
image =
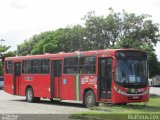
<point x="56" y="75"/>
<point x="105" y="78"/>
<point x="17" y="77"/>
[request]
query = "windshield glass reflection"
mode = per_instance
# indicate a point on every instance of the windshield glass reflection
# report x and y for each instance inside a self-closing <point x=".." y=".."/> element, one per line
<point x="131" y="71"/>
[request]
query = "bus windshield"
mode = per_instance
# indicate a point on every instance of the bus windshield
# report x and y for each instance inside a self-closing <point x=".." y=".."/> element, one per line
<point x="131" y="72"/>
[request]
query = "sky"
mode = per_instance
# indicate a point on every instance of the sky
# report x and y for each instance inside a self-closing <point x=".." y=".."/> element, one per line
<point x="21" y="19"/>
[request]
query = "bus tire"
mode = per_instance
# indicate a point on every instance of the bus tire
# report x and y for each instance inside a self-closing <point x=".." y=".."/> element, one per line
<point x="90" y="99"/>
<point x="30" y="95"/>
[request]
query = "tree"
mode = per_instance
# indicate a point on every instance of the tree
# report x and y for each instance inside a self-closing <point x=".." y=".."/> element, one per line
<point x="64" y="39"/>
<point x="119" y="30"/>
<point x="3" y="50"/>
<point x="158" y="68"/>
<point x="3" y="54"/>
<point x="153" y="65"/>
<point x="70" y="39"/>
<point x="95" y="34"/>
<point x="49" y="48"/>
<point x="35" y="44"/>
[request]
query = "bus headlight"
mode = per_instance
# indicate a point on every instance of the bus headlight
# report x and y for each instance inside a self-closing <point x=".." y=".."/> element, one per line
<point x="146" y="92"/>
<point x="127" y="94"/>
<point x="119" y="91"/>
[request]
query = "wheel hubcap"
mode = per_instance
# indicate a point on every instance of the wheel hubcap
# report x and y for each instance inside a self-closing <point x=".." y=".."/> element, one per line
<point x="90" y="99"/>
<point x="30" y="95"/>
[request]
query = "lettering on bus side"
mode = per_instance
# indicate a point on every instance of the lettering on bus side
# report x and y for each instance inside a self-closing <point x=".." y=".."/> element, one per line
<point x="89" y="79"/>
<point x="28" y="78"/>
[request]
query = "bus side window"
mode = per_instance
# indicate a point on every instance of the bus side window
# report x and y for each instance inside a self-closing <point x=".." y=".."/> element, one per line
<point x="17" y="69"/>
<point x="71" y="65"/>
<point x="36" y="66"/>
<point x="9" y="67"/>
<point x="45" y="66"/>
<point x="88" y="65"/>
<point x="26" y="67"/>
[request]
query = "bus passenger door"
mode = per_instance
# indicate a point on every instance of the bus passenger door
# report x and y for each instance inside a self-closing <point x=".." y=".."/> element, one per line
<point x="56" y="76"/>
<point x="17" y="77"/>
<point x="105" y="78"/>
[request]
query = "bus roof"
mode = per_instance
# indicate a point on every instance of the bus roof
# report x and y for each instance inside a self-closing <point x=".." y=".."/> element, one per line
<point x="69" y="54"/>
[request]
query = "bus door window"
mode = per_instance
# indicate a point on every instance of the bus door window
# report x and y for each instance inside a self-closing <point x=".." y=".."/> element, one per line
<point x="109" y="73"/>
<point x="102" y="73"/>
<point x="17" y="69"/>
<point x="105" y="77"/>
<point x="17" y="74"/>
<point x="56" y="74"/>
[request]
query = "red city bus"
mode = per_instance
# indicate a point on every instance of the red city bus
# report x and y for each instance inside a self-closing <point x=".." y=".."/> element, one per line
<point x="117" y="76"/>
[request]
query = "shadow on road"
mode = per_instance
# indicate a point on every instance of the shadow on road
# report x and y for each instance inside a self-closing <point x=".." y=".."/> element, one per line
<point x="57" y="103"/>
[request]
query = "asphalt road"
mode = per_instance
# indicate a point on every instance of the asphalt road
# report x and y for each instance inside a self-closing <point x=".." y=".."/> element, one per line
<point x="18" y="105"/>
<point x="16" y="108"/>
<point x="155" y="90"/>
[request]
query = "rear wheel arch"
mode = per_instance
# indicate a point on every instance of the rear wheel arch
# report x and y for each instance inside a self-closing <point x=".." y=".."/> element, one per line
<point x="28" y="86"/>
<point x="31" y="98"/>
<point x="85" y="93"/>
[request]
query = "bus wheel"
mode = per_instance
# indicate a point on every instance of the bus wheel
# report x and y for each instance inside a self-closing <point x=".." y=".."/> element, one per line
<point x="90" y="99"/>
<point x="30" y="95"/>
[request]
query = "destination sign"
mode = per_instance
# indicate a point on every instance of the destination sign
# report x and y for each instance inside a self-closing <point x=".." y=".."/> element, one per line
<point x="131" y="54"/>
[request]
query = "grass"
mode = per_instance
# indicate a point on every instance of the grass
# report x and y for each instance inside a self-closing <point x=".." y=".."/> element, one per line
<point x="116" y="112"/>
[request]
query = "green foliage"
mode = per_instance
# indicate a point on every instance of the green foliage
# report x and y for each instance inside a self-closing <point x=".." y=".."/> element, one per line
<point x="3" y="54"/>
<point x="158" y="68"/>
<point x="70" y="39"/>
<point x="35" y="44"/>
<point x="153" y="65"/>
<point x="120" y="30"/>
<point x="1" y="68"/>
<point x="67" y="39"/>
<point x="3" y="50"/>
<point x="49" y="48"/>
<point x="154" y="69"/>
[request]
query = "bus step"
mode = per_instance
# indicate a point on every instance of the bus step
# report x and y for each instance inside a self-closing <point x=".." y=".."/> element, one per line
<point x="57" y="99"/>
<point x="105" y="102"/>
